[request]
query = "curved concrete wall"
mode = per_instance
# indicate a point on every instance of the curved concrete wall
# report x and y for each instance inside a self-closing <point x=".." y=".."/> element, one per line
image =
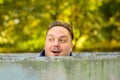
<point x="28" y="67"/>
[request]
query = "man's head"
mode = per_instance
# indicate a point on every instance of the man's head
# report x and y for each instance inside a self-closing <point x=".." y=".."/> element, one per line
<point x="59" y="39"/>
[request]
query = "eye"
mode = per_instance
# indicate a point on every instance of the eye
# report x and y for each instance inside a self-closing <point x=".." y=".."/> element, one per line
<point x="63" y="40"/>
<point x="51" y="39"/>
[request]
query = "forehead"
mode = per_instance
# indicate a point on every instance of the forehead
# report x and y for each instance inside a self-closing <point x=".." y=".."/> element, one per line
<point x="58" y="31"/>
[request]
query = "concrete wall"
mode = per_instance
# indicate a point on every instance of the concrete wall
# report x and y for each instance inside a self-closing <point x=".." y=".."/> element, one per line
<point x="28" y="67"/>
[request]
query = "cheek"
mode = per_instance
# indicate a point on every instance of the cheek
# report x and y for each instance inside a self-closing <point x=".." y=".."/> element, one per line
<point x="67" y="46"/>
<point x="48" y="45"/>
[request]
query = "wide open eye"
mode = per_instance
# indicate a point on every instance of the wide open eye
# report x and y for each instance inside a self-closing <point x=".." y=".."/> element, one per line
<point x="63" y="40"/>
<point x="51" y="39"/>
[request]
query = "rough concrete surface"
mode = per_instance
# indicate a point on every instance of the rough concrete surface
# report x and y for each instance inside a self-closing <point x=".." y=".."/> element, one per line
<point x="84" y="66"/>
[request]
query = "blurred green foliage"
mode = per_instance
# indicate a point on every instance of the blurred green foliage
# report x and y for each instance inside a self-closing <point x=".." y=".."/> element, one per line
<point x="23" y="23"/>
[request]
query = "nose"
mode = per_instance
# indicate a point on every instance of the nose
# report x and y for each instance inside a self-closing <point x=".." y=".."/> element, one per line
<point x="56" y="43"/>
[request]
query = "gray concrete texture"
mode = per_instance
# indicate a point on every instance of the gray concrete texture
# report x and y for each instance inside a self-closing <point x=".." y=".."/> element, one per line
<point x="84" y="66"/>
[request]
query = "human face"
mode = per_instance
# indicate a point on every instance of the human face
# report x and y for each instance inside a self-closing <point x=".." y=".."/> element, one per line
<point x="58" y="42"/>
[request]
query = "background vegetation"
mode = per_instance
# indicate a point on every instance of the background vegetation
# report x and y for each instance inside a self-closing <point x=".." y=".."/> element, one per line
<point x="23" y="23"/>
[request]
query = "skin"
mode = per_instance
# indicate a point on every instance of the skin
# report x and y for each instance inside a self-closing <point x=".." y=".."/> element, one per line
<point x="58" y="42"/>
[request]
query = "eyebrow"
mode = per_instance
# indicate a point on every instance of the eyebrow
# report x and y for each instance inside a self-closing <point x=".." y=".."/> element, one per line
<point x="50" y="35"/>
<point x="60" y="36"/>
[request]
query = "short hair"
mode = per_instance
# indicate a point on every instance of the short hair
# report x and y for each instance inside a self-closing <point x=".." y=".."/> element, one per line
<point x="62" y="24"/>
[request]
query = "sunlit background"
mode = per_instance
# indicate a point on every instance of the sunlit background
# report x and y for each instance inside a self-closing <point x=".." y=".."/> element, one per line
<point x="23" y="23"/>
